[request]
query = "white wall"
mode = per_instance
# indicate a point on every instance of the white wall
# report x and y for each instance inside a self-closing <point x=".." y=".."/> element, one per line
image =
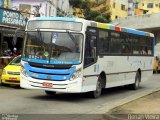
<point x="141" y="21"/>
<point x="44" y="10"/>
<point x="63" y="5"/>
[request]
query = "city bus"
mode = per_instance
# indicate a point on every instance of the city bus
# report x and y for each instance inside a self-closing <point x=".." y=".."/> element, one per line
<point x="75" y="55"/>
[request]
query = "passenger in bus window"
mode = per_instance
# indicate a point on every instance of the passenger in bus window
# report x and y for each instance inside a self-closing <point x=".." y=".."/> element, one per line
<point x="14" y="54"/>
<point x="125" y="49"/>
<point x="145" y="51"/>
<point x="32" y="51"/>
<point x="19" y="52"/>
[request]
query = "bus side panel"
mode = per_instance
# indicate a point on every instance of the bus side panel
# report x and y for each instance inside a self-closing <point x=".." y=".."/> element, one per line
<point x="90" y="78"/>
<point x="144" y="63"/>
<point x="119" y="70"/>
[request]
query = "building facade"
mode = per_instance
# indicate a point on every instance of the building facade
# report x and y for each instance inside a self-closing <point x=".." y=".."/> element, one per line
<point x="63" y="8"/>
<point x="32" y="8"/>
<point x="150" y="6"/>
<point x="131" y="7"/>
<point x="117" y="8"/>
<point x="10" y="21"/>
<point x="13" y="16"/>
<point x="6" y="3"/>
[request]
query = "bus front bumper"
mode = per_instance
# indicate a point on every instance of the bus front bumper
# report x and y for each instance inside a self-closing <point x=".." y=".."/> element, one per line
<point x="67" y="86"/>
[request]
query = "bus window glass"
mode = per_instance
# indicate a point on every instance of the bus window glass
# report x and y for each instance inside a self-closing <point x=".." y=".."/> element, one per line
<point x="126" y="44"/>
<point x="116" y="41"/>
<point x="150" y="44"/>
<point x="60" y="25"/>
<point x="103" y="43"/>
<point x="52" y="46"/>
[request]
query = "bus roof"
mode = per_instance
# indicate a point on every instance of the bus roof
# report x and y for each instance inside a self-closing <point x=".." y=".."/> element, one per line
<point x="97" y="24"/>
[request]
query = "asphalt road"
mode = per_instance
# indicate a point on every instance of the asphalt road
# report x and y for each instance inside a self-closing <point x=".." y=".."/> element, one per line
<point x="15" y="100"/>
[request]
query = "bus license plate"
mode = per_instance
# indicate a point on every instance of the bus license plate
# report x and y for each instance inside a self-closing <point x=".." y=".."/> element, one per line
<point x="46" y="84"/>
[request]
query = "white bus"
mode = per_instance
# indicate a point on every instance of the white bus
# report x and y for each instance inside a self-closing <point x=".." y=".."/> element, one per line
<point x="73" y="55"/>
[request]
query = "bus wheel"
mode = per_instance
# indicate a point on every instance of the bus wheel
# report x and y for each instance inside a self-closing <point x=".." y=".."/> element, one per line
<point x="136" y="85"/>
<point x="50" y="92"/>
<point x="98" y="91"/>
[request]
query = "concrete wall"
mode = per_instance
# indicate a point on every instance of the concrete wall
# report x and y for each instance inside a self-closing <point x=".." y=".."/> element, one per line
<point x="140" y="22"/>
<point x="148" y="22"/>
<point x="143" y="5"/>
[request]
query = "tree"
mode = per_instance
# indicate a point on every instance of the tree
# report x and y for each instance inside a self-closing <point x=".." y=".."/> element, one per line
<point x="97" y="15"/>
<point x="76" y="3"/>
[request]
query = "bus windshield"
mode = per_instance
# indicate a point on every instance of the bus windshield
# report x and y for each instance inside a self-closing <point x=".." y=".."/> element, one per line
<point x="53" y="47"/>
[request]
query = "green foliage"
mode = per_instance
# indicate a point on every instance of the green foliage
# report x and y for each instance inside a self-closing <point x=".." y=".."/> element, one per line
<point x="76" y="3"/>
<point x="100" y="19"/>
<point x="103" y="9"/>
<point x="92" y="14"/>
<point x="96" y="15"/>
<point x="107" y="17"/>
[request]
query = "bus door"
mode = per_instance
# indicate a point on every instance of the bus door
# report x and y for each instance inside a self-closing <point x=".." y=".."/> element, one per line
<point x="90" y="47"/>
<point x="90" y="58"/>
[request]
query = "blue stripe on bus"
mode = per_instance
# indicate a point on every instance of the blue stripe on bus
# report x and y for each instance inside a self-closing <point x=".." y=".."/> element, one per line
<point x="51" y="62"/>
<point x="56" y="18"/>
<point x="51" y="74"/>
<point x="112" y="27"/>
<point x="49" y="71"/>
<point x="49" y="77"/>
<point x="135" y="32"/>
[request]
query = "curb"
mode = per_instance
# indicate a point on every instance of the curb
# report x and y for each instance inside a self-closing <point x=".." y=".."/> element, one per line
<point x="109" y="116"/>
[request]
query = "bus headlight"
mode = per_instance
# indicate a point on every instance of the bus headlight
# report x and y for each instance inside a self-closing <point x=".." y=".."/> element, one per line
<point x="24" y="71"/>
<point x="76" y="74"/>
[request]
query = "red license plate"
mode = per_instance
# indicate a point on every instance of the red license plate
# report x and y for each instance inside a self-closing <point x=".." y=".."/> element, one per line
<point x="46" y="84"/>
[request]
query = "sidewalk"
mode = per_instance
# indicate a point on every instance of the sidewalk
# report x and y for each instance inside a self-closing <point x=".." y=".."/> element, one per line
<point x="147" y="106"/>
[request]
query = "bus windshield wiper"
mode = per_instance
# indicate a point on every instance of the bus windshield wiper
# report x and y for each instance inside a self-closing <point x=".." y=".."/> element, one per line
<point x="71" y="36"/>
<point x="40" y="35"/>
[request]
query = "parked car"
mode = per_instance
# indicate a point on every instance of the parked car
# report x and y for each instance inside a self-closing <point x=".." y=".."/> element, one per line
<point x="156" y="60"/>
<point x="11" y="73"/>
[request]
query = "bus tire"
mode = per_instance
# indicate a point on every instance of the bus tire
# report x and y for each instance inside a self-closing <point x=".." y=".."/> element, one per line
<point x="50" y="92"/>
<point x="136" y="84"/>
<point x="98" y="91"/>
